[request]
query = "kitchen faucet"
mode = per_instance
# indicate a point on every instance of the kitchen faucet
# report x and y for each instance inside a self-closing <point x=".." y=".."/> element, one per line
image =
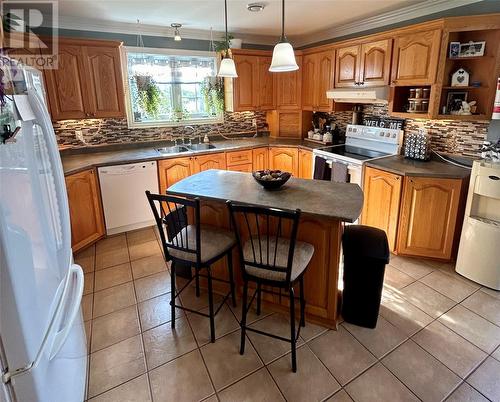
<point x="193" y="133"/>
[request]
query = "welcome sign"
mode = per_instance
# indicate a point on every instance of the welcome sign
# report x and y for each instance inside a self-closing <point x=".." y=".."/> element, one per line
<point x="384" y="122"/>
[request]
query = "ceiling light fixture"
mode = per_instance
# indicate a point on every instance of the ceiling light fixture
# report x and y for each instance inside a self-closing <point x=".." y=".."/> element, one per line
<point x="283" y="55"/>
<point x="227" y="67"/>
<point x="255" y="7"/>
<point x="177" y="35"/>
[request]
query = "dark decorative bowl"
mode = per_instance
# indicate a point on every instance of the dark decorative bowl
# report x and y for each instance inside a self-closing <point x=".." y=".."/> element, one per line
<point x="271" y="179"/>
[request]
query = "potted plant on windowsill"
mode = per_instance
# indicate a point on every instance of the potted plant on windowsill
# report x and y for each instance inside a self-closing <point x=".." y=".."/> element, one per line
<point x="212" y="90"/>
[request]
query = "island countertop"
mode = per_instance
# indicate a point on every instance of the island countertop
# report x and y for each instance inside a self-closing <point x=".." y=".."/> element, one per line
<point x="342" y="201"/>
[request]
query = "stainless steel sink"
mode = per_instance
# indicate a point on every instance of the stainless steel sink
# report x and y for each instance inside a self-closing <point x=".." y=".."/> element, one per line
<point x="200" y="147"/>
<point x="175" y="149"/>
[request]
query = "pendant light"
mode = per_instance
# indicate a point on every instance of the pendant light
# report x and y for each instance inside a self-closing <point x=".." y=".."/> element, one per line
<point x="283" y="55"/>
<point x="177" y="35"/>
<point x="227" y="67"/>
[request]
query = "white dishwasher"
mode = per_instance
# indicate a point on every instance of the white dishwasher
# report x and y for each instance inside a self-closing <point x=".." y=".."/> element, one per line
<point x="123" y="195"/>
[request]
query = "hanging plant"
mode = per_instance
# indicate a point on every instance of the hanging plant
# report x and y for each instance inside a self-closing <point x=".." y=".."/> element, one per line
<point x="142" y="81"/>
<point x="223" y="46"/>
<point x="212" y="90"/>
<point x="150" y="98"/>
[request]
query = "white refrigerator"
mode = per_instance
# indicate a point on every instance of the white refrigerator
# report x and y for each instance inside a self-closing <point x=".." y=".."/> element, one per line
<point x="43" y="356"/>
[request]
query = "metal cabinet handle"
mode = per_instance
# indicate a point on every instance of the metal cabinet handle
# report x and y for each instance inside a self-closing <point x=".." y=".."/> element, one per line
<point x="494" y="177"/>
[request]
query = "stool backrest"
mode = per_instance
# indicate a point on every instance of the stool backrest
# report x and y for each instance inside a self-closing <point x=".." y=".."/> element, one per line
<point x="264" y="229"/>
<point x="171" y="216"/>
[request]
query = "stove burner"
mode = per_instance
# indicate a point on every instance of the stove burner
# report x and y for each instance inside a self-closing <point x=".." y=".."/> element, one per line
<point x="353" y="152"/>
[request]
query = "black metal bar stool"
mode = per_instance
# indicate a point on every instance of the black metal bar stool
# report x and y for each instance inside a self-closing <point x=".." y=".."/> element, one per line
<point x="268" y="258"/>
<point x="196" y="245"/>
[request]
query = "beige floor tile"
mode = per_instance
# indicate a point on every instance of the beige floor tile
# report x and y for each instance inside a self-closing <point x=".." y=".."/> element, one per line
<point x="342" y="354"/>
<point x="427" y="299"/>
<point x="148" y="266"/>
<point x="486" y="379"/>
<point x="188" y="298"/>
<point x="396" y="279"/>
<point x="156" y="311"/>
<point x="465" y="393"/>
<point x="141" y="236"/>
<point x="496" y="354"/>
<point x="152" y="286"/>
<point x="454" y="288"/>
<point x="224" y="324"/>
<point x="380" y="340"/>
<point x="108" y="300"/>
<point x="379" y="385"/>
<point x="311" y="331"/>
<point x="88" y="283"/>
<point x="411" y="266"/>
<point x="472" y="327"/>
<point x="224" y="362"/>
<point x="141" y="250"/>
<point x="164" y="343"/>
<point x="449" y="348"/>
<point x="115" y="365"/>
<point x="115" y="327"/>
<point x="402" y="314"/>
<point x="340" y="396"/>
<point x="311" y="382"/>
<point x="269" y="348"/>
<point x="417" y="369"/>
<point x="182" y="380"/>
<point x="86" y="259"/>
<point x="485" y="305"/>
<point x="88" y="333"/>
<point x="491" y="292"/>
<point x="136" y="390"/>
<point x="111" y="251"/>
<point x="87" y="306"/>
<point x="113" y="276"/>
<point x="256" y="387"/>
<point x="212" y="398"/>
<point x="252" y="312"/>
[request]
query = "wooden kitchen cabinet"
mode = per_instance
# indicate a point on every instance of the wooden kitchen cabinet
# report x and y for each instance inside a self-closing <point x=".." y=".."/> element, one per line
<point x="286" y="159"/>
<point x="285" y="123"/>
<point x="234" y="158"/>
<point x="415" y="58"/>
<point x="347" y="69"/>
<point x="170" y="171"/>
<point x="85" y="208"/>
<point x="265" y="85"/>
<point x="317" y="78"/>
<point x="428" y="218"/>
<point x="260" y="158"/>
<point x="305" y="164"/>
<point x="289" y="88"/>
<point x="209" y="161"/>
<point x="382" y="196"/>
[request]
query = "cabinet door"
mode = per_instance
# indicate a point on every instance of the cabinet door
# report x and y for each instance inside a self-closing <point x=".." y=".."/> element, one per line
<point x="260" y="158"/>
<point x="416" y="57"/>
<point x="429" y="217"/>
<point x="238" y="158"/>
<point x="85" y="210"/>
<point x="265" y="86"/>
<point x="210" y="161"/>
<point x="382" y="196"/>
<point x="105" y="85"/>
<point x="375" y="63"/>
<point x="244" y="89"/>
<point x="286" y="159"/>
<point x="289" y="88"/>
<point x="66" y="85"/>
<point x="347" y="71"/>
<point x="170" y="171"/>
<point x="324" y="81"/>
<point x="305" y="164"/>
<point x="308" y="81"/>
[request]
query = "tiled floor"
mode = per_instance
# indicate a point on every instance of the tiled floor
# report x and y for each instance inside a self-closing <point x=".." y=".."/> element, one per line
<point x="438" y="337"/>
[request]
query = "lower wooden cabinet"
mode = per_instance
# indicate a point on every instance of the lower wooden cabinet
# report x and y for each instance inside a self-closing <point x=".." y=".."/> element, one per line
<point x="286" y="159"/>
<point x="260" y="158"/>
<point x="305" y="164"/>
<point x="235" y="158"/>
<point x="170" y="171"/>
<point x="85" y="210"/>
<point x="209" y="161"/>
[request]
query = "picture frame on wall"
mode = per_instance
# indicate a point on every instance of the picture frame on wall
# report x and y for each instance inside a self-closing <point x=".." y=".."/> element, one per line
<point x="454" y="101"/>
<point x="472" y="49"/>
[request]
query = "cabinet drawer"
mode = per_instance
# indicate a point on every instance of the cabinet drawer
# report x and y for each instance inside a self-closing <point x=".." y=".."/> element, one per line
<point x="239" y="158"/>
<point x="247" y="168"/>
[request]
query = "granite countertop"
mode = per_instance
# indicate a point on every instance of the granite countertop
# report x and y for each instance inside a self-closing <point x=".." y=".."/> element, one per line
<point x="407" y="167"/>
<point x="342" y="201"/>
<point x="76" y="160"/>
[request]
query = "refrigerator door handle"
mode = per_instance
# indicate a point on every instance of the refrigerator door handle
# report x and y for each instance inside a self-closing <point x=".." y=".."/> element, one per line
<point x="74" y="309"/>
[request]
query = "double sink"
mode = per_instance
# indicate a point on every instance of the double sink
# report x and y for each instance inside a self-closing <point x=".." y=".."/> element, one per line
<point x="175" y="149"/>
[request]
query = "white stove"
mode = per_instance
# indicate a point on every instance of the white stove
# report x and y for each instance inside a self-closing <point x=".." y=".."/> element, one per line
<point x="363" y="143"/>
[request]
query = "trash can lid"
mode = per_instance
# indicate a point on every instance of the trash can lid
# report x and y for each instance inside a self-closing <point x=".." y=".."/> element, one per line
<point x="365" y="241"/>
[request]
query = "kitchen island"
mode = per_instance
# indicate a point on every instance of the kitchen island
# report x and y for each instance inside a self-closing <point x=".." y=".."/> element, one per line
<point x="324" y="205"/>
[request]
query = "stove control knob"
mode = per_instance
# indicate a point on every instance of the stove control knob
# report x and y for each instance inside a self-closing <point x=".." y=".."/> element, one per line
<point x="394" y="135"/>
<point x="381" y="134"/>
<point x="387" y="134"/>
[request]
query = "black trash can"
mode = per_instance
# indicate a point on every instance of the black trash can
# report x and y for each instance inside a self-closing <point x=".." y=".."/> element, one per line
<point x="366" y="252"/>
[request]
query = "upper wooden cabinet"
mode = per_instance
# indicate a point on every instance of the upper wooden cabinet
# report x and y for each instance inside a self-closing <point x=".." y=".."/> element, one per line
<point x="170" y="171"/>
<point x="416" y="57"/>
<point x="347" y="71"/>
<point x="88" y="81"/>
<point x="86" y="215"/>
<point x="289" y="88"/>
<point x="317" y="78"/>
<point x="286" y="159"/>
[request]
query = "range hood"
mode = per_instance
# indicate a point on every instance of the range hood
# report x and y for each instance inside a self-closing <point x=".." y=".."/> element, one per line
<point x="359" y="95"/>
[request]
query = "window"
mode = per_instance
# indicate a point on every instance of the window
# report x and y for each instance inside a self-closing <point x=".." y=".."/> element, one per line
<point x="170" y="88"/>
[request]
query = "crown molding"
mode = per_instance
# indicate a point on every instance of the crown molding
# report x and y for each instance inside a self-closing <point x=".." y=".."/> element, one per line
<point x="95" y="25"/>
<point x="392" y="17"/>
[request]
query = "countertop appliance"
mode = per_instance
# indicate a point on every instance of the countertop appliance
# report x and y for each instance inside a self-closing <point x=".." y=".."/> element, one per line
<point x="478" y="254"/>
<point x="123" y="190"/>
<point x="363" y="143"/>
<point x="43" y="355"/>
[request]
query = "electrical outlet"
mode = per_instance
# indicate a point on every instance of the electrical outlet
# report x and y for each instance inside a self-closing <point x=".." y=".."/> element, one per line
<point x="254" y="122"/>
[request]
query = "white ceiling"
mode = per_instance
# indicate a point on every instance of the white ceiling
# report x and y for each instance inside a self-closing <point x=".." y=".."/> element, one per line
<point x="303" y="17"/>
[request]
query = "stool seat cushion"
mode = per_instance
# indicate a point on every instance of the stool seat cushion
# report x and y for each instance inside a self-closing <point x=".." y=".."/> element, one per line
<point x="265" y="254"/>
<point x="214" y="242"/>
